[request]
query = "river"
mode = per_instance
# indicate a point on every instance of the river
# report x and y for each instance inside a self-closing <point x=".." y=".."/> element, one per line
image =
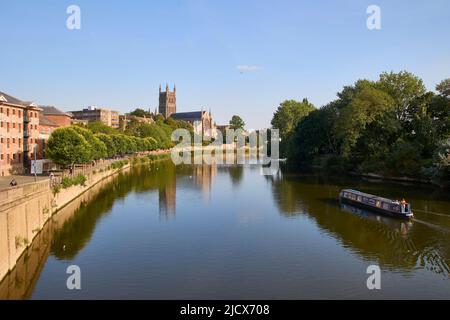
<point x="161" y="231"/>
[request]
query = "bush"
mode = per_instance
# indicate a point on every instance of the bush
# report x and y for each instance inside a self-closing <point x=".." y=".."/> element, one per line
<point x="67" y="182"/>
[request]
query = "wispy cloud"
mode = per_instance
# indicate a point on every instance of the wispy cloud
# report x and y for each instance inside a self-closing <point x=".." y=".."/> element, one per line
<point x="247" y="68"/>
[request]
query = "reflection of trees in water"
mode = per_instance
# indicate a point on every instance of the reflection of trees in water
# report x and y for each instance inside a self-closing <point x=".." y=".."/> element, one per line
<point x="236" y="174"/>
<point x="78" y="230"/>
<point x="393" y="243"/>
<point x="160" y="176"/>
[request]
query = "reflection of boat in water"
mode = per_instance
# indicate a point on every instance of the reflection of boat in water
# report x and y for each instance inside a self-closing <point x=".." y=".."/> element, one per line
<point x="381" y="205"/>
<point x="401" y="226"/>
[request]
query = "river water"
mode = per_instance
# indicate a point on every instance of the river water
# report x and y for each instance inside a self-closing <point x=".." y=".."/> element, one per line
<point x="162" y="231"/>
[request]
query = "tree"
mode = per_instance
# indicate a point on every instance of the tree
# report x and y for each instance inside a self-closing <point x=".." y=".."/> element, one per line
<point x="444" y="88"/>
<point x="99" y="127"/>
<point x="288" y="114"/>
<point x="67" y="147"/>
<point x="138" y="112"/>
<point x="96" y="147"/>
<point x="314" y="134"/>
<point x="403" y="87"/>
<point x="367" y="127"/>
<point x="236" y="123"/>
<point x="109" y="143"/>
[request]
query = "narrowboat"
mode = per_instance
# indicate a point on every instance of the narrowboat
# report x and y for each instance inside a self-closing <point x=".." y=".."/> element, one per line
<point x="397" y="209"/>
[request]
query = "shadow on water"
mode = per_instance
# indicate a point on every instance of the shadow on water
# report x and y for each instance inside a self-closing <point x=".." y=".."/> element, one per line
<point x="68" y="232"/>
<point x="422" y="243"/>
<point x="397" y="245"/>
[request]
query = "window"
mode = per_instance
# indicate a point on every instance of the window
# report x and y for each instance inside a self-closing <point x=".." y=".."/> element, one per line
<point x="7" y="127"/>
<point x="13" y="111"/>
<point x="14" y="140"/>
<point x="19" y="113"/>
<point x="1" y="156"/>
<point x="14" y="156"/>
<point x="7" y="158"/>
<point x="7" y="111"/>
<point x="14" y="125"/>
<point x="1" y="110"/>
<point x="20" y="127"/>
<point x="1" y="140"/>
<point x="7" y="142"/>
<point x="20" y="142"/>
<point x="2" y="124"/>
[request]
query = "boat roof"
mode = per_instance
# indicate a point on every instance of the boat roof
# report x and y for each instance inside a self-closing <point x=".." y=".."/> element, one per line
<point x="368" y="195"/>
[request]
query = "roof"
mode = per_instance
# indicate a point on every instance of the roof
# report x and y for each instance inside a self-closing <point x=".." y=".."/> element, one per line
<point x="44" y="121"/>
<point x="51" y="110"/>
<point x="187" y="115"/>
<point x="368" y="195"/>
<point x="4" y="97"/>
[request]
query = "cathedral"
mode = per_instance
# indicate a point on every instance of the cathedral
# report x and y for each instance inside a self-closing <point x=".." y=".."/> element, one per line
<point x="201" y="121"/>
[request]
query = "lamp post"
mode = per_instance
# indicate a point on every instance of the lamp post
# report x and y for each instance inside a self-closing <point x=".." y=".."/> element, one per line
<point x="35" y="159"/>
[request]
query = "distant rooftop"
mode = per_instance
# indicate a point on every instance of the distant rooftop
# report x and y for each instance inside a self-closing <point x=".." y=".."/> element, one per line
<point x="52" y="111"/>
<point x="44" y="121"/>
<point x="4" y="97"/>
<point x="187" y="115"/>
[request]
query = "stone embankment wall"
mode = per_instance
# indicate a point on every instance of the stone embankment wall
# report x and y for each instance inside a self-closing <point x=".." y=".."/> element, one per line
<point x="25" y="210"/>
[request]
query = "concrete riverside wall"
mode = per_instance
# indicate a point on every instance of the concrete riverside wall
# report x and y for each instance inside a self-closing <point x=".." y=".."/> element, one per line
<point x="24" y="211"/>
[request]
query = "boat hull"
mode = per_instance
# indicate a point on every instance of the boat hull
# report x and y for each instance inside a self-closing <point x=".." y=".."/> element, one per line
<point x="376" y="209"/>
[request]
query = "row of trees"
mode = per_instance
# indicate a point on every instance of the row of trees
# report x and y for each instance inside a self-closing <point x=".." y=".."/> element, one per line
<point x="392" y="126"/>
<point x="82" y="144"/>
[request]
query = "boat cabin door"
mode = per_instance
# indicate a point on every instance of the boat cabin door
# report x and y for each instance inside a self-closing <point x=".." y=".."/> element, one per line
<point x="406" y="208"/>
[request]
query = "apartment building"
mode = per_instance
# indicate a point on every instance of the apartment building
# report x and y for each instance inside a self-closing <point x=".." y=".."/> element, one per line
<point x="19" y="134"/>
<point x="92" y="113"/>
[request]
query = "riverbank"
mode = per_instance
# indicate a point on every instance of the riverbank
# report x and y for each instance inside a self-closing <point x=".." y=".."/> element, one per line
<point x="26" y="209"/>
<point x="443" y="184"/>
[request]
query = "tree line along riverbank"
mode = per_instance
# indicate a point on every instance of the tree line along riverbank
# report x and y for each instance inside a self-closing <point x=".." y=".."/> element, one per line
<point x="392" y="127"/>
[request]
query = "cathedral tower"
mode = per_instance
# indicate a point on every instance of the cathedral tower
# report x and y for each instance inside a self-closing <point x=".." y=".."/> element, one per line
<point x="167" y="101"/>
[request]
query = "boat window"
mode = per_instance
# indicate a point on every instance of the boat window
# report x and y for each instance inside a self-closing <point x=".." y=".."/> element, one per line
<point x="385" y="206"/>
<point x="378" y="204"/>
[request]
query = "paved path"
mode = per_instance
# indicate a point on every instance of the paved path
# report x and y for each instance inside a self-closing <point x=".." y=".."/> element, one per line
<point x="20" y="179"/>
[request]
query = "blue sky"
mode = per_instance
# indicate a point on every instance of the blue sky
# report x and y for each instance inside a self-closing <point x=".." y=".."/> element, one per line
<point x="125" y="49"/>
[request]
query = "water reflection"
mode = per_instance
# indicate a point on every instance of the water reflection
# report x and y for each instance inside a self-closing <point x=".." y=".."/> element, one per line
<point x="395" y="244"/>
<point x="219" y="235"/>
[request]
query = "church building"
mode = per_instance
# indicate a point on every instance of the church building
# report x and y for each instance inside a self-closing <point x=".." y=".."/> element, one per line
<point x="202" y="121"/>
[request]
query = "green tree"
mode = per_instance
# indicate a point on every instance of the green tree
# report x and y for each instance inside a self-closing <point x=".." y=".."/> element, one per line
<point x="236" y="122"/>
<point x="404" y="88"/>
<point x="314" y="134"/>
<point x="109" y="143"/>
<point x="288" y="114"/>
<point x="100" y="127"/>
<point x="67" y="147"/>
<point x="138" y="112"/>
<point x="444" y="88"/>
<point x="96" y="147"/>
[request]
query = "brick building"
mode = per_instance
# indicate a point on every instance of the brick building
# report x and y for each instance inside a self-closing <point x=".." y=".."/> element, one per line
<point x="92" y="113"/>
<point x="62" y="119"/>
<point x="19" y="133"/>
